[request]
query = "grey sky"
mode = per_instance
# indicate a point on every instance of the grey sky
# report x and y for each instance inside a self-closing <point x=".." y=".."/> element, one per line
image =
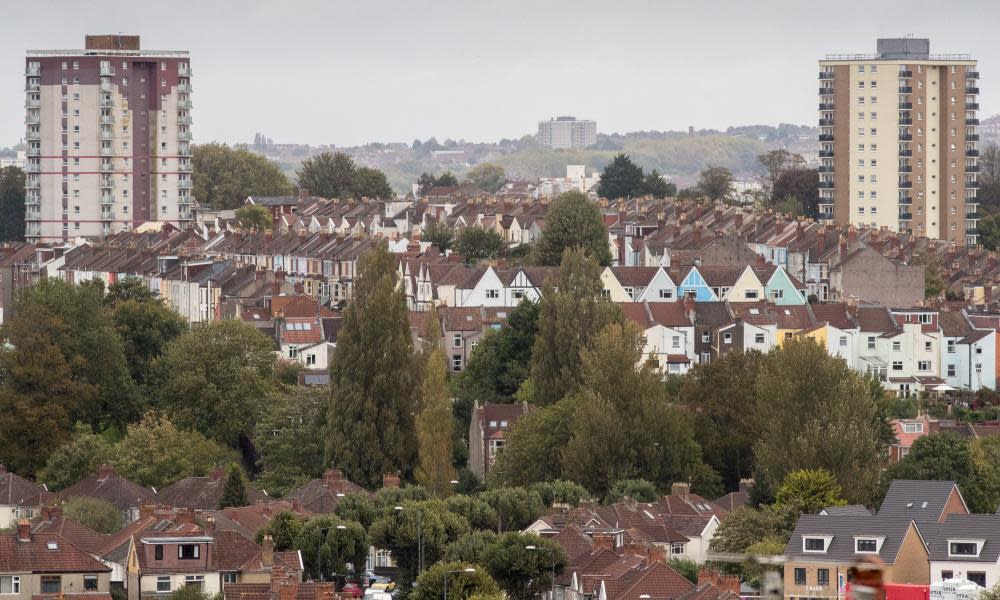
<point x="338" y="72"/>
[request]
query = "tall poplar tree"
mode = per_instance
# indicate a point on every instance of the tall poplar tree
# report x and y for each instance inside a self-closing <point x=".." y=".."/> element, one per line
<point x="435" y="427"/>
<point x="571" y="312"/>
<point x="371" y="423"/>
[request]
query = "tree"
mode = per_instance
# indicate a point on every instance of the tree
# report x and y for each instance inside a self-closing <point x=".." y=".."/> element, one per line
<point x="815" y="412"/>
<point x="145" y="324"/>
<point x="721" y="397"/>
<point x="561" y="491"/>
<point x="99" y="515"/>
<point x="621" y="178"/>
<point x="639" y="490"/>
<point x="989" y="165"/>
<point x="716" y="183"/>
<point x="434" y="427"/>
<point x="799" y="189"/>
<point x="992" y="593"/>
<point x="338" y="542"/>
<point x="686" y="567"/>
<point x="747" y="526"/>
<point x="571" y="312"/>
<point x="488" y="177"/>
<point x="989" y="232"/>
<point x="440" y="234"/>
<point x="289" y="439"/>
<point x="155" y="453"/>
<point x="12" y="195"/>
<point x="775" y="163"/>
<point x="357" y="508"/>
<point x="224" y="177"/>
<point x="465" y="581"/>
<point x="216" y="379"/>
<point x="516" y="507"/>
<point x="934" y="282"/>
<point x="809" y="491"/>
<point x="572" y="221"/>
<point x="475" y="243"/>
<point x="371" y="424"/>
<point x="502" y="360"/>
<point x="371" y="183"/>
<point x="234" y="492"/>
<point x="284" y="529"/>
<point x="475" y="510"/>
<point x="428" y="181"/>
<point x="190" y="592"/>
<point x="656" y="185"/>
<point x="255" y="217"/>
<point x="533" y="446"/>
<point x="524" y="573"/>
<point x="471" y="547"/>
<point x="396" y="530"/>
<point x="80" y="326"/>
<point x="76" y="459"/>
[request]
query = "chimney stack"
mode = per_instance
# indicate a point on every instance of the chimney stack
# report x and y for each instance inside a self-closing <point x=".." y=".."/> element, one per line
<point x="657" y="554"/>
<point x="217" y="473"/>
<point x="332" y="476"/>
<point x="390" y="481"/>
<point x="680" y="488"/>
<point x="23" y="530"/>
<point x="746" y="484"/>
<point x="105" y="470"/>
<point x="605" y="541"/>
<point x="267" y="551"/>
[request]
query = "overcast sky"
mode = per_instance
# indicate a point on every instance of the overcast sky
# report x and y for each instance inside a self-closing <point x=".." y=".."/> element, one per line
<point x="345" y="73"/>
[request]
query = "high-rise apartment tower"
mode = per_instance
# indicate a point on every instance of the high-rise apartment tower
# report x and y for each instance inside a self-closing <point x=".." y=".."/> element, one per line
<point x="109" y="138"/>
<point x="898" y="145"/>
<point x="567" y="132"/>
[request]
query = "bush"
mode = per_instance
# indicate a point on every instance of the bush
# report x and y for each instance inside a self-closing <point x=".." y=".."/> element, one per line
<point x="97" y="514"/>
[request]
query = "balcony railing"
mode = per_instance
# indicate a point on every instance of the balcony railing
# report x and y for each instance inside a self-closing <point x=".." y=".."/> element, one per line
<point x="32" y="182"/>
<point x="826" y="137"/>
<point x="32" y="86"/>
<point x="107" y="151"/>
<point x="183" y="71"/>
<point x="905" y="137"/>
<point x="33" y="71"/>
<point x="826" y="122"/>
<point x="184" y="87"/>
<point x="185" y="120"/>
<point x="971" y="152"/>
<point x="105" y="166"/>
<point x="905" y="216"/>
<point x="184" y="135"/>
<point x="972" y="90"/>
<point x="32" y="168"/>
<point x="107" y="215"/>
<point x="972" y="121"/>
<point x="972" y="185"/>
<point x="32" y="119"/>
<point x="905" y="184"/>
<point x="184" y="150"/>
<point x="107" y="103"/>
<point x="972" y="106"/>
<point x="826" y="91"/>
<point x="34" y="152"/>
<point x="971" y="168"/>
<point x="972" y="74"/>
<point x="33" y="134"/>
<point x="107" y="86"/>
<point x="107" y="70"/>
<point x="106" y="133"/>
<point x="107" y="119"/>
<point x="184" y="167"/>
<point x="826" y="185"/>
<point x="905" y="200"/>
<point x="906" y="74"/>
<point x="905" y="89"/>
<point x="826" y="153"/>
<point x="972" y="137"/>
<point x="184" y="104"/>
<point x="905" y="105"/>
<point x="905" y="169"/>
<point x="32" y="103"/>
<point x="827" y="106"/>
<point x="826" y="74"/>
<point x="824" y="169"/>
<point x="906" y="152"/>
<point x="905" y="121"/>
<point x="108" y="183"/>
<point x="185" y="184"/>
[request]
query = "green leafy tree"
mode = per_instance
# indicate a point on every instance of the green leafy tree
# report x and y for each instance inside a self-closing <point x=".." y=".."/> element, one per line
<point x="253" y="216"/>
<point x="533" y="446"/>
<point x="357" y="508"/>
<point x="335" y="175"/>
<point x="524" y="573"/>
<point x="440" y="234"/>
<point x="516" y="507"/>
<point x="573" y="220"/>
<point x="289" y="439"/>
<point x="145" y="326"/>
<point x="809" y="491"/>
<point x="396" y="530"/>
<point x="388" y="498"/>
<point x="224" y="177"/>
<point x="155" y="453"/>
<point x="561" y="491"/>
<point x="801" y="186"/>
<point x="127" y="288"/>
<point x="284" y="529"/>
<point x="339" y="542"/>
<point x="76" y="459"/>
<point x="746" y="527"/>
<point x="465" y="581"/>
<point x="12" y="195"/>
<point x="992" y="593"/>
<point x="776" y="163"/>
<point x="502" y="360"/>
<point x="488" y="177"/>
<point x="815" y="412"/>
<point x="686" y="567"/>
<point x="190" y="592"/>
<point x="476" y="243"/>
<point x="216" y="379"/>
<point x="471" y="547"/>
<point x="572" y="310"/>
<point x="621" y="178"/>
<point x="639" y="490"/>
<point x="371" y="423"/>
<point x="427" y="181"/>
<point x="656" y="185"/>
<point x="716" y="183"/>
<point x="435" y="428"/>
<point x="234" y="492"/>
<point x="989" y="231"/>
<point x="721" y="398"/>
<point x="371" y="183"/>
<point x="475" y="510"/>
<point x="99" y="515"/>
<point x="934" y="283"/>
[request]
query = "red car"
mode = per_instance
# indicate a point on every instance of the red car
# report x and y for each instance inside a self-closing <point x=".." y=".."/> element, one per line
<point x="352" y="590"/>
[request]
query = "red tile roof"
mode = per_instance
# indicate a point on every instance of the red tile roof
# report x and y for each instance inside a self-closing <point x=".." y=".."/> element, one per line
<point x="108" y="485"/>
<point x="202" y="493"/>
<point x="16" y="490"/>
<point x="45" y="553"/>
<point x="634" y="276"/>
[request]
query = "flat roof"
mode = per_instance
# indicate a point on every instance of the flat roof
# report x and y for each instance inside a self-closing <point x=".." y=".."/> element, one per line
<point x="95" y="52"/>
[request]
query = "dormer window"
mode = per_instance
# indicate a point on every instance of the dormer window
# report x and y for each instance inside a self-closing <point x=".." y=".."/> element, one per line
<point x="187" y="551"/>
<point x="815" y="544"/>
<point x="868" y="545"/>
<point x="964" y="547"/>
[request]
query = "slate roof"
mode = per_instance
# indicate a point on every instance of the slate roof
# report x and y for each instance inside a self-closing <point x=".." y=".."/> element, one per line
<point x="843" y="529"/>
<point x="851" y="510"/>
<point x="964" y="527"/>
<point x="634" y="276"/>
<point x="733" y="500"/>
<point x="954" y="324"/>
<point x="36" y="556"/>
<point x="16" y="490"/>
<point x="922" y="501"/>
<point x="712" y="314"/>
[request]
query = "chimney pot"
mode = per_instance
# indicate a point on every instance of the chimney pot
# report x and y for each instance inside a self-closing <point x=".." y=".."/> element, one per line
<point x="390" y="481"/>
<point x="23" y="530"/>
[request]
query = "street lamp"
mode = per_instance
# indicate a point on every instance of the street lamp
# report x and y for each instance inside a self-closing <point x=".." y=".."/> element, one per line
<point x="552" y="553"/>
<point x="319" y="556"/>
<point x="447" y="573"/>
<point x="420" y="538"/>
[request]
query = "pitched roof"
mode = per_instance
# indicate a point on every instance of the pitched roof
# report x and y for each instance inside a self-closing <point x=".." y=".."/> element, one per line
<point x="202" y="493"/>
<point x="835" y="314"/>
<point x="874" y="318"/>
<point x="708" y="591"/>
<point x="45" y="553"/>
<point x="76" y="533"/>
<point x="841" y="531"/>
<point x="852" y="510"/>
<point x="108" y="485"/>
<point x="922" y="501"/>
<point x="320" y="496"/>
<point x="573" y="541"/>
<point x="634" y="276"/>
<point x="964" y="527"/>
<point x="16" y="490"/>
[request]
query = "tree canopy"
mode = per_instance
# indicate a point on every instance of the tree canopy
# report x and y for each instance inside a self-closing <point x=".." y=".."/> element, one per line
<point x="716" y="182"/>
<point x="335" y="175"/>
<point x="573" y="221"/>
<point x="253" y="216"/>
<point x="488" y="177"/>
<point x="12" y="197"/>
<point x="476" y="243"/>
<point x="224" y="177"/>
